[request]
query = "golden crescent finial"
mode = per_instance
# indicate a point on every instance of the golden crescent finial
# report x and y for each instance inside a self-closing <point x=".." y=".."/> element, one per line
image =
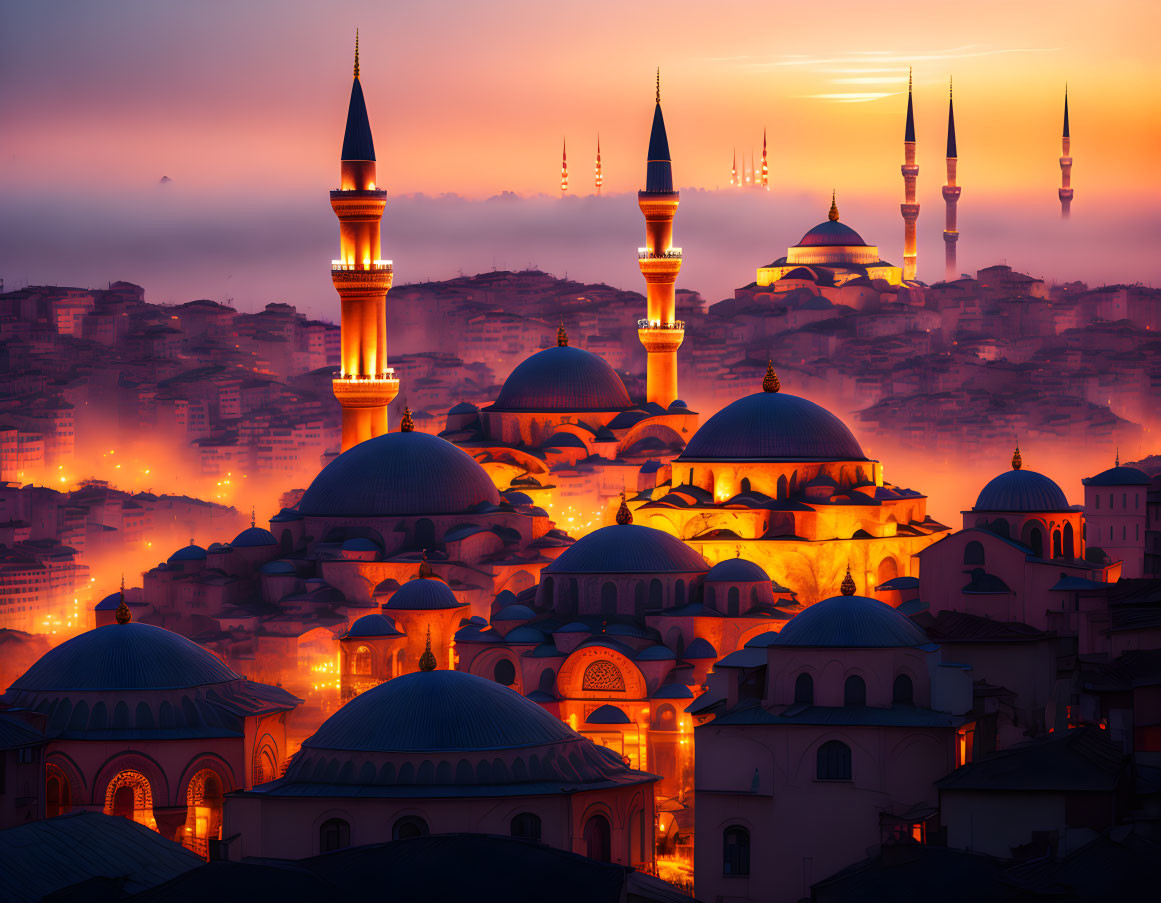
<point x="659" y="84"/>
<point x="834" y="214"/>
<point x="1017" y="461"/>
<point x="427" y="660"/>
<point x="356" y="53"/>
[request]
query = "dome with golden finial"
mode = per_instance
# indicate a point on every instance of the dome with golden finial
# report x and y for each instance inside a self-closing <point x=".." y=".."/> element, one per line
<point x="407" y="425"/>
<point x="624" y="515"/>
<point x="427" y="660"/>
<point x="1021" y="490"/>
<point x="847" y="587"/>
<point x="850" y="621"/>
<point x="561" y="335"/>
<point x="832" y="233"/>
<point x="770" y="381"/>
<point x="1017" y="461"/>
<point x="562" y="379"/>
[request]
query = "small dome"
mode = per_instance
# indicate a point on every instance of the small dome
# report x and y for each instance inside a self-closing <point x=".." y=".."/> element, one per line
<point x="855" y="622"/>
<point x="189" y="553"/>
<point x="359" y="544"/>
<point x="1021" y="490"/>
<point x="277" y="568"/>
<point x="1119" y="476"/>
<point x="373" y="625"/>
<point x="516" y="498"/>
<point x="525" y="635"/>
<point x="438" y="710"/>
<point x="130" y="656"/>
<point x="111" y="602"/>
<point x="774" y="426"/>
<point x="700" y="648"/>
<point x="627" y="549"/>
<point x="673" y="691"/>
<point x="514" y="612"/>
<point x="736" y="570"/>
<point x="563" y="379"/>
<point x="399" y="474"/>
<point x="254" y="536"/>
<point x="574" y="627"/>
<point x="656" y="654"/>
<point x="831" y="234"/>
<point x="422" y="594"/>
<point x="608" y="714"/>
<point x="285" y="516"/>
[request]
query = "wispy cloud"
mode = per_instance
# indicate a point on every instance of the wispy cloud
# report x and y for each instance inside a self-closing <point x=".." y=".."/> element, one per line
<point x="857" y="57"/>
<point x="852" y="97"/>
<point x="872" y="80"/>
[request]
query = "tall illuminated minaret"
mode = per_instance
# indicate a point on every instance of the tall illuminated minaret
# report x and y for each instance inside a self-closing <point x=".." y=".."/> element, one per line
<point x="950" y="195"/>
<point x="365" y="384"/>
<point x="734" y="170"/>
<point x="909" y="208"/>
<point x="564" y="167"/>
<point x="765" y="168"/>
<point x="1065" y="164"/>
<point x="598" y="177"/>
<point x="660" y="262"/>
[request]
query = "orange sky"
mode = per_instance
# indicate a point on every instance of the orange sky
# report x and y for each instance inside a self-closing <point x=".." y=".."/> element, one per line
<point x="474" y="98"/>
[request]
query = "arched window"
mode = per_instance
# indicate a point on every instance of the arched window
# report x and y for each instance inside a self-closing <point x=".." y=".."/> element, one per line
<point x="655" y="593"/>
<point x="1069" y="542"/>
<point x="333" y="834"/>
<point x="639" y="597"/>
<point x="903" y="691"/>
<point x="573" y="596"/>
<point x="973" y="553"/>
<point x="804" y="689"/>
<point x="679" y="594"/>
<point x="598" y="838"/>
<point x="855" y="691"/>
<point x="666" y="718"/>
<point x="361" y="662"/>
<point x="547" y="681"/>
<point x="735" y="851"/>
<point x="504" y="672"/>
<point x="424" y="533"/>
<point x="745" y="485"/>
<point x="1036" y="542"/>
<point x="1056" y="544"/>
<point x="609" y="598"/>
<point x="58" y="792"/>
<point x="203" y="819"/>
<point x="547" y="586"/>
<point x="733" y="602"/>
<point x="782" y="487"/>
<point x="130" y="796"/>
<point x="888" y="570"/>
<point x="526" y="826"/>
<point x="1097" y="499"/>
<point x="833" y="761"/>
<point x="603" y="675"/>
<point x="1001" y="528"/>
<point x="408" y="827"/>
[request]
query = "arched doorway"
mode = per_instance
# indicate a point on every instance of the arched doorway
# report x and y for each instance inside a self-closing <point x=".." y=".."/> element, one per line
<point x="130" y="796"/>
<point x="888" y="570"/>
<point x="608" y="598"/>
<point x="1069" y="542"/>
<point x="598" y="838"/>
<point x="203" y="814"/>
<point x="58" y="794"/>
<point x="361" y="662"/>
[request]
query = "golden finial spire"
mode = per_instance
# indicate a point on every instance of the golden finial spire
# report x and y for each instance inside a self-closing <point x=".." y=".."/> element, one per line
<point x="624" y="515"/>
<point x="908" y="79"/>
<point x="427" y="660"/>
<point x="253" y="516"/>
<point x="123" y="614"/>
<point x="1017" y="461"/>
<point x="770" y="382"/>
<point x="1118" y="464"/>
<point x="950" y="88"/>
<point x="659" y="84"/>
<point x="847" y="587"/>
<point x="407" y="425"/>
<point x="356" y="53"/>
<point x="425" y="571"/>
<point x="833" y="215"/>
<point x="561" y="335"/>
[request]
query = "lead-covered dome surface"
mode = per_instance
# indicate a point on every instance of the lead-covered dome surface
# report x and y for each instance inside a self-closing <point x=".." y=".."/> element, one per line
<point x="433" y="711"/>
<point x="423" y="594"/>
<point x="399" y="474"/>
<point x="1121" y="475"/>
<point x="736" y="570"/>
<point x="856" y="622"/>
<point x="125" y="657"/>
<point x="1021" y="490"/>
<point x="627" y="549"/>
<point x="252" y="537"/>
<point x="773" y="426"/>
<point x="831" y="233"/>
<point x="563" y="379"/>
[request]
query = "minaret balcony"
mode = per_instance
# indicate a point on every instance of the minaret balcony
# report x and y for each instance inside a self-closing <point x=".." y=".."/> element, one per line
<point x="658" y="337"/>
<point x="366" y="391"/>
<point x="646" y="254"/>
<point x="660" y="268"/>
<point x="951" y="192"/>
<point x="373" y="276"/>
<point x="359" y="203"/>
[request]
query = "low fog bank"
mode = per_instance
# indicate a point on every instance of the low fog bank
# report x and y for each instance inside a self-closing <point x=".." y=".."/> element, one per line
<point x="182" y="245"/>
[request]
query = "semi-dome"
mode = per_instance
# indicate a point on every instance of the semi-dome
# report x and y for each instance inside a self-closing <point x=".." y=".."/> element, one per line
<point x="399" y="474"/>
<point x="254" y="536"/>
<point x="372" y="626"/>
<point x="627" y="549"/>
<point x="736" y="570"/>
<point x="1021" y="490"/>
<point x="563" y="379"/>
<point x="850" y="621"/>
<point x="773" y="426"/>
<point x="279" y="568"/>
<point x="125" y="657"/>
<point x="1120" y="475"/>
<point x="422" y="594"/>
<point x="189" y="553"/>
<point x="430" y="711"/>
<point x="831" y="234"/>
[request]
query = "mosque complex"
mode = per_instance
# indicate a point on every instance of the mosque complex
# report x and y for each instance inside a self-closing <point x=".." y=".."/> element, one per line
<point x="498" y="675"/>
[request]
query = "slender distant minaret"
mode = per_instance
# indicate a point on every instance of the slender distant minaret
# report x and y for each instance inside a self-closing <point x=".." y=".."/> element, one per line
<point x="734" y="170"/>
<point x="950" y="195"/>
<point x="909" y="208"/>
<point x="660" y="262"/>
<point x="564" y="167"/>
<point x="598" y="177"/>
<point x="365" y="384"/>
<point x="765" y="168"/>
<point x="1065" y="164"/>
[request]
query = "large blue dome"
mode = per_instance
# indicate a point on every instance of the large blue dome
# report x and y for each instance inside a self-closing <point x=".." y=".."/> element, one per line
<point x="423" y="594"/>
<point x="563" y="379"/>
<point x="125" y="657"/>
<point x="773" y="426"/>
<point x="253" y="537"/>
<point x="856" y="622"/>
<point x="1021" y="490"/>
<point x="430" y="711"/>
<point x="628" y="549"/>
<point x="1121" y="475"/>
<point x="399" y="474"/>
<point x="830" y="234"/>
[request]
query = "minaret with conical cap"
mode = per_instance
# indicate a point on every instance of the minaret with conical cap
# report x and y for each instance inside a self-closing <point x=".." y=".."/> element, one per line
<point x="765" y="168"/>
<point x="365" y="384"/>
<point x="1065" y="164"/>
<point x="734" y="170"/>
<point x="599" y="178"/>
<point x="564" y="167"/>
<point x="950" y="195"/>
<point x="909" y="208"/>
<point x="660" y="262"/>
